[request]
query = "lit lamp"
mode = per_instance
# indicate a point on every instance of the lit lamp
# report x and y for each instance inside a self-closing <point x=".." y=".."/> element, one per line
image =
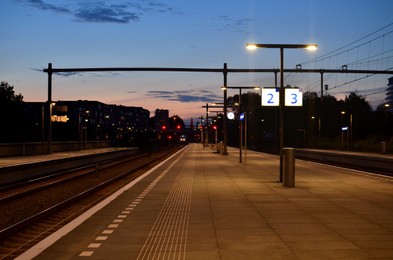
<point x="253" y="46"/>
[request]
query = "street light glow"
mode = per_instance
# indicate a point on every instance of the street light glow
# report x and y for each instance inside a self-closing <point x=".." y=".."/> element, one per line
<point x="311" y="47"/>
<point x="251" y="47"/>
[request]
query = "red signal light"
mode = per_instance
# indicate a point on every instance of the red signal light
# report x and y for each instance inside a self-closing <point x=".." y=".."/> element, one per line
<point x="163" y="127"/>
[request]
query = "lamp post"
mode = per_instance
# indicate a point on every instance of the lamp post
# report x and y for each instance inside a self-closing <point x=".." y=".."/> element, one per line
<point x="240" y="110"/>
<point x="282" y="93"/>
<point x="215" y="127"/>
<point x="349" y="131"/>
<point x="214" y="105"/>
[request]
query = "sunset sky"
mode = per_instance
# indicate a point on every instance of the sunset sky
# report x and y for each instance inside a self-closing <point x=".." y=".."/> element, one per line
<point x="192" y="34"/>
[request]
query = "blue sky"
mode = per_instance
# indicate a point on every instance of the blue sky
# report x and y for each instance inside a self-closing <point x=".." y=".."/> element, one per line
<point x="181" y="33"/>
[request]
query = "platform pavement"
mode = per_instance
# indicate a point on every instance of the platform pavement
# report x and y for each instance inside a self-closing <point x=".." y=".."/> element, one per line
<point x="202" y="205"/>
<point x="20" y="160"/>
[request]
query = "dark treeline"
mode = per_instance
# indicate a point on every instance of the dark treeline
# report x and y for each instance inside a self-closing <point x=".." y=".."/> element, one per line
<point x="325" y="123"/>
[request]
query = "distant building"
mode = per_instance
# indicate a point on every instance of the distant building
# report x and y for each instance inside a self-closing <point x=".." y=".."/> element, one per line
<point x="88" y="120"/>
<point x="161" y="117"/>
<point x="389" y="93"/>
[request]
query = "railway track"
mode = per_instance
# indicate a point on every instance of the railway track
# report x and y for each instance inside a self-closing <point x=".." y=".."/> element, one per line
<point x="39" y="208"/>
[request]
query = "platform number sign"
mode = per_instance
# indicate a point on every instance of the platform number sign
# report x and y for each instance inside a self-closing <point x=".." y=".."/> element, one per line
<point x="271" y="97"/>
<point x="293" y="97"/>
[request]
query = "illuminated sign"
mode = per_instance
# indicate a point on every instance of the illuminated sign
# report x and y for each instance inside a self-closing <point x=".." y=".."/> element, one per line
<point x="293" y="97"/>
<point x="271" y="97"/>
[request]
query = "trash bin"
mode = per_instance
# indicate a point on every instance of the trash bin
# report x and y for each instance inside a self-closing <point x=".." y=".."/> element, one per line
<point x="289" y="167"/>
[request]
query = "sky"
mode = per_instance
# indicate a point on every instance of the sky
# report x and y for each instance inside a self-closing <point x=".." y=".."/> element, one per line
<point x="190" y="34"/>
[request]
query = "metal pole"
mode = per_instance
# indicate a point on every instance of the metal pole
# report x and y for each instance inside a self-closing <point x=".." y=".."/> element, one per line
<point x="202" y="137"/>
<point x="207" y="124"/>
<point x="216" y="137"/>
<point x="49" y="137"/>
<point x="351" y="132"/>
<point x="241" y="126"/>
<point x="245" y="137"/>
<point x="321" y="85"/>
<point x="281" y="112"/>
<point x="43" y="128"/>
<point x="225" y="72"/>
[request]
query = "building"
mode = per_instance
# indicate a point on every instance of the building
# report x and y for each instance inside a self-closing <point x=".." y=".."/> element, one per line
<point x="85" y="120"/>
<point x="161" y="117"/>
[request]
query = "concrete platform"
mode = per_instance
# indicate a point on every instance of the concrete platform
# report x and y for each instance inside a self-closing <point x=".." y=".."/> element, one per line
<point x="23" y="160"/>
<point x="202" y="205"/>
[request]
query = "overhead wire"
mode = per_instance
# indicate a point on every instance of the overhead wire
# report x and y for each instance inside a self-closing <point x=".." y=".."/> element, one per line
<point x="358" y="61"/>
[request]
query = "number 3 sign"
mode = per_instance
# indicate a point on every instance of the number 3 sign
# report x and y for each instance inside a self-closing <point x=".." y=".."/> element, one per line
<point x="293" y="97"/>
<point x="271" y="97"/>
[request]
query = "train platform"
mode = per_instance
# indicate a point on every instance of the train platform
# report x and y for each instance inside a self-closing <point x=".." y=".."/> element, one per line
<point x="23" y="160"/>
<point x="201" y="205"/>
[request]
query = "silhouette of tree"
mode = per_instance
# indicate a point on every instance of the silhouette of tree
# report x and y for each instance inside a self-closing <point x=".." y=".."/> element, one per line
<point x="176" y="123"/>
<point x="7" y="94"/>
<point x="11" y="114"/>
<point x="361" y="112"/>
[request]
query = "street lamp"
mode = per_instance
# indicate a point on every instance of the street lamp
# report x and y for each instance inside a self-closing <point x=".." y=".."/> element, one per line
<point x="253" y="46"/>
<point x="240" y="110"/>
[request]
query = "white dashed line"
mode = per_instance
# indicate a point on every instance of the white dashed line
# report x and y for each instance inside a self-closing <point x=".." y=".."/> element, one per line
<point x="86" y="253"/>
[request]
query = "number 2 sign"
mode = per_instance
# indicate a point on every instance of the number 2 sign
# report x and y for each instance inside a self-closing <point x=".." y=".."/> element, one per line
<point x="271" y="97"/>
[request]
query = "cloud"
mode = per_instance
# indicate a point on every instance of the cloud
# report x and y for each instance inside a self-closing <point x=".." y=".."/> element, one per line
<point x="40" y="4"/>
<point x="63" y="74"/>
<point x="103" y="14"/>
<point x="233" y="25"/>
<point x="186" y="96"/>
<point x="67" y="74"/>
<point x="93" y="11"/>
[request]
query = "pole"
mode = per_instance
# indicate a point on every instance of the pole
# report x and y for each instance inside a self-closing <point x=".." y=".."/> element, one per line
<point x="202" y="137"/>
<point x="216" y="137"/>
<point x="207" y="124"/>
<point x="321" y="85"/>
<point x="43" y="128"/>
<point x="225" y="72"/>
<point x="281" y="112"/>
<point x="241" y="126"/>
<point x="351" y="132"/>
<point x="245" y="137"/>
<point x="49" y="105"/>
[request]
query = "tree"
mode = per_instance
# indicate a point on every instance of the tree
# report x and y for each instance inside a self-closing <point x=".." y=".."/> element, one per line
<point x="176" y="122"/>
<point x="361" y="112"/>
<point x="7" y="94"/>
<point x="11" y="114"/>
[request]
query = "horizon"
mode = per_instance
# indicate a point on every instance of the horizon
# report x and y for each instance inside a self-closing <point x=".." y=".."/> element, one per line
<point x="190" y="35"/>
